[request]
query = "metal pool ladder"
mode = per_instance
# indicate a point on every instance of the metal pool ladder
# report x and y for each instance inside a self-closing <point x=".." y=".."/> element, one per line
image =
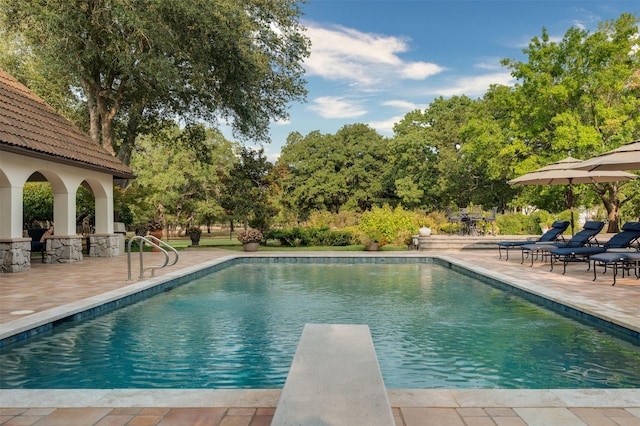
<point x="153" y="242"/>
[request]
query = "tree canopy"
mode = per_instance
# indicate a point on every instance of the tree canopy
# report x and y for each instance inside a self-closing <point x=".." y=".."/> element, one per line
<point x="330" y="172"/>
<point x="137" y="63"/>
<point x="164" y="64"/>
<point x="178" y="179"/>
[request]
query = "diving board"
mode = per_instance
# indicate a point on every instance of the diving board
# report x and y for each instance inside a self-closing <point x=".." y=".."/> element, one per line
<point x="334" y="380"/>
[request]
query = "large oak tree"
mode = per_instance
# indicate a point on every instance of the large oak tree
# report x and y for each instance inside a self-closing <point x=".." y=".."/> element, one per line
<point x="134" y="62"/>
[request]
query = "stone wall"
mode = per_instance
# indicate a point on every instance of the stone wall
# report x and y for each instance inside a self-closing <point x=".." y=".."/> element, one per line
<point x="15" y="255"/>
<point x="106" y="245"/>
<point x="64" y="249"/>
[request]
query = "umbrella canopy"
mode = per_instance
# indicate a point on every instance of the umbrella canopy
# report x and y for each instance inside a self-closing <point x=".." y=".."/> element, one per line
<point x="564" y="172"/>
<point x="627" y="157"/>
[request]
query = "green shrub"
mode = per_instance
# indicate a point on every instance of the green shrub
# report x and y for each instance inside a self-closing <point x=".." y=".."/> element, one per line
<point x="305" y="237"/>
<point x="516" y="224"/>
<point x="383" y="224"/>
<point x="541" y="218"/>
<point x="338" y="238"/>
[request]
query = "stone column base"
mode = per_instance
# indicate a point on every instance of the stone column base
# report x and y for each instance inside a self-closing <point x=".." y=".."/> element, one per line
<point x="64" y="249"/>
<point x="15" y="255"/>
<point x="106" y="245"/>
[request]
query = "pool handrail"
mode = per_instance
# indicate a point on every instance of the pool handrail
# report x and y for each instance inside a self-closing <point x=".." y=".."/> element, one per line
<point x="154" y="242"/>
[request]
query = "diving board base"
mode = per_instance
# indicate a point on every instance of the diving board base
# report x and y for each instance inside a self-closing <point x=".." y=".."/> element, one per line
<point x="334" y="380"/>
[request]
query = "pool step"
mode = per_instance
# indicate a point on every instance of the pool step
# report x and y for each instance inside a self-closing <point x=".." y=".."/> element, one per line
<point x="334" y="380"/>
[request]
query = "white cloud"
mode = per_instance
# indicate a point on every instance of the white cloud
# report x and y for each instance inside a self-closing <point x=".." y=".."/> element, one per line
<point x="404" y="105"/>
<point x="340" y="53"/>
<point x="385" y="127"/>
<point x="490" y="64"/>
<point x="420" y="70"/>
<point x="336" y="107"/>
<point x="475" y="85"/>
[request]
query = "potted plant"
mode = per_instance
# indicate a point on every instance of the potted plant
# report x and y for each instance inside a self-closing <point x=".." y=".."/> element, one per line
<point x="194" y="233"/>
<point x="154" y="228"/>
<point x="425" y="224"/>
<point x="250" y="239"/>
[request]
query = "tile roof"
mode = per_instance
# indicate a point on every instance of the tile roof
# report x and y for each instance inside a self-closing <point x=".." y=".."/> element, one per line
<point x="31" y="127"/>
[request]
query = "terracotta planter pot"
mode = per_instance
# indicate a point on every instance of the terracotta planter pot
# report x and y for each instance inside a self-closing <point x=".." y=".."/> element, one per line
<point x="251" y="246"/>
<point x="157" y="234"/>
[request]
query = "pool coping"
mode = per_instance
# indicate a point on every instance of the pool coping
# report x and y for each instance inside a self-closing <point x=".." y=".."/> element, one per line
<point x="622" y="325"/>
<point x="269" y="397"/>
<point x="256" y="398"/>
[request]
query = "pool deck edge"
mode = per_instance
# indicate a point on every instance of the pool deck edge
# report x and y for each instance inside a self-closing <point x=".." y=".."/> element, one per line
<point x="440" y="398"/>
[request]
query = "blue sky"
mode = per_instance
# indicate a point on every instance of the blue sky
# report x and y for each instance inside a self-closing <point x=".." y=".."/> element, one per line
<point x="372" y="61"/>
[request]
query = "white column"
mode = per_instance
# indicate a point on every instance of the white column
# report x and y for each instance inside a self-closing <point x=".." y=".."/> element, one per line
<point x="104" y="212"/>
<point x="10" y="212"/>
<point x="64" y="213"/>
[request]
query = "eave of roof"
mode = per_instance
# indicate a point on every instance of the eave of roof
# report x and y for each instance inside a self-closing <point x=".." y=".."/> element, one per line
<point x="30" y="127"/>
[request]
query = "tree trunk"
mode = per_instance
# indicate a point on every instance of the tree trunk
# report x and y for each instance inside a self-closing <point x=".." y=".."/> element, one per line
<point x="134" y="117"/>
<point x="94" y="116"/>
<point x="612" y="217"/>
<point x="107" y="105"/>
<point x="608" y="193"/>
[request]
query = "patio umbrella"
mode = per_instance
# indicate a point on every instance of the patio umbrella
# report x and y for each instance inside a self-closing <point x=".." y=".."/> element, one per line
<point x="627" y="157"/>
<point x="563" y="173"/>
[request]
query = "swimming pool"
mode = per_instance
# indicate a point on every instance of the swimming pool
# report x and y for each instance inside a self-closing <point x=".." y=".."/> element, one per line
<point x="425" y="332"/>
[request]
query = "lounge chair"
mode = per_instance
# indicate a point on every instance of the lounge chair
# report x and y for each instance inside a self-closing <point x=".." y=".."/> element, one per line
<point x="628" y="235"/>
<point x="581" y="239"/>
<point x="619" y="260"/>
<point x="553" y="234"/>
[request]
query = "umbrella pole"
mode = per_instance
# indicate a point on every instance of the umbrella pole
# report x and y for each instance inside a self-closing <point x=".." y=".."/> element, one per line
<point x="570" y="200"/>
<point x="572" y="232"/>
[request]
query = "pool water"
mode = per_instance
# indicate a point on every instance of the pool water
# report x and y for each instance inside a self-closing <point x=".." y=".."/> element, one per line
<point x="239" y="327"/>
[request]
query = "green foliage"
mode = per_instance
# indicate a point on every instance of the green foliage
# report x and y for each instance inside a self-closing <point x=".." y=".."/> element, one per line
<point x="541" y="218"/>
<point x="240" y="61"/>
<point x="332" y="172"/>
<point x="305" y="237"/>
<point x="122" y="212"/>
<point x="579" y="95"/>
<point x="85" y="204"/>
<point x="517" y="224"/>
<point x="37" y="202"/>
<point x="193" y="230"/>
<point x="176" y="179"/>
<point x="383" y="224"/>
<point x="338" y="238"/>
<point x="342" y="219"/>
<point x="247" y="188"/>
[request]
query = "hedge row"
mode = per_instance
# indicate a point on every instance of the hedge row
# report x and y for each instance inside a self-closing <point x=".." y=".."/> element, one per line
<point x="305" y="237"/>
